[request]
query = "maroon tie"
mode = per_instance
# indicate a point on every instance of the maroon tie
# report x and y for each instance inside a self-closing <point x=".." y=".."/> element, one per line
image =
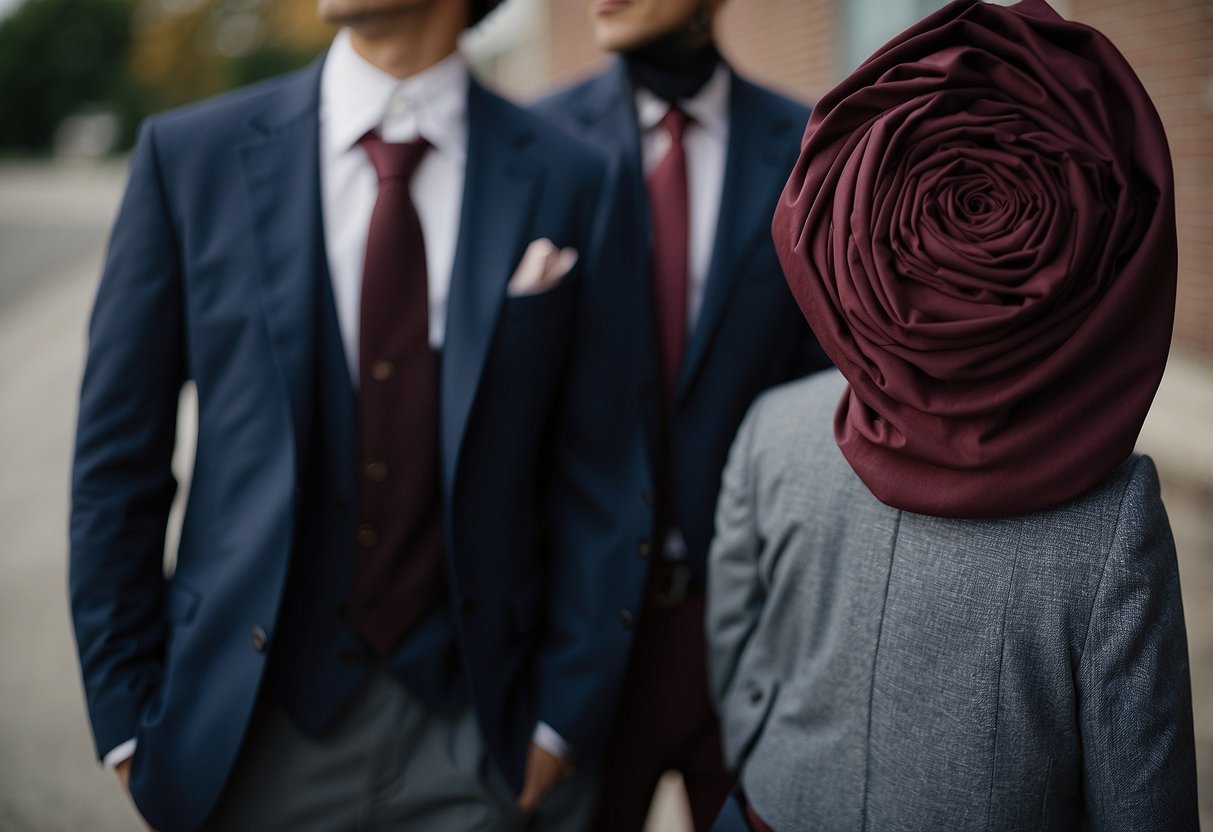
<point x="398" y="573"/>
<point x="668" y="199"/>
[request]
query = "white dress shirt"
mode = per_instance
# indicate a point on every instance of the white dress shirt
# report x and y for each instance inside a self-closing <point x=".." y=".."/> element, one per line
<point x="706" y="143"/>
<point x="357" y="97"/>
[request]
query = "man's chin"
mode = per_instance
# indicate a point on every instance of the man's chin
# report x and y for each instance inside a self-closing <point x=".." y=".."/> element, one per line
<point x="612" y="37"/>
<point x="364" y="13"/>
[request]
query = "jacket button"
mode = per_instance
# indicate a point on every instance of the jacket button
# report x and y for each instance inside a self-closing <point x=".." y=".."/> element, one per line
<point x="626" y="619"/>
<point x="349" y="658"/>
<point x="367" y="535"/>
<point x="260" y="640"/>
<point x="755" y="695"/>
<point x="376" y="470"/>
<point x="382" y="369"/>
<point x="646" y="497"/>
<point x="643" y="547"/>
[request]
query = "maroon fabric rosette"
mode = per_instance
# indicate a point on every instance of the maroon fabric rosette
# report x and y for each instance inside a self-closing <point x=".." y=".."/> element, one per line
<point x="981" y="231"/>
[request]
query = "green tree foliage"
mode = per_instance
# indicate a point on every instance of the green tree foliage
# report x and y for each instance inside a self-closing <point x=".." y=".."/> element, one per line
<point x="58" y="57"/>
<point x="184" y="50"/>
<point x="132" y="57"/>
<point x="265" y="62"/>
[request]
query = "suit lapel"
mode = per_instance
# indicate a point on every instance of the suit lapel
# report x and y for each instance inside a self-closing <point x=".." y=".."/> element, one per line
<point x="501" y="186"/>
<point x="608" y="118"/>
<point x="755" y="172"/>
<point x="281" y="168"/>
<point x="756" y="168"/>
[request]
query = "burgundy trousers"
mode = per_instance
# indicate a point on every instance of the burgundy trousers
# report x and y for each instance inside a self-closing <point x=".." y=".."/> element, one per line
<point x="665" y="722"/>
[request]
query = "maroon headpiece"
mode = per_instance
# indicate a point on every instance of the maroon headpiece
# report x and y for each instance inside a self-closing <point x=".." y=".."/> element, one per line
<point x="981" y="231"/>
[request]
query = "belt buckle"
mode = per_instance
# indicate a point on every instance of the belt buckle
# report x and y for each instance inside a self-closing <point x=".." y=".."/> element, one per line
<point x="669" y="584"/>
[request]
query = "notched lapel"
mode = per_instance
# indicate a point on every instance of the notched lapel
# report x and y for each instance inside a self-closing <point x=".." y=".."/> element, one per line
<point x="754" y="176"/>
<point x="609" y="120"/>
<point x="282" y="176"/>
<point x="501" y="187"/>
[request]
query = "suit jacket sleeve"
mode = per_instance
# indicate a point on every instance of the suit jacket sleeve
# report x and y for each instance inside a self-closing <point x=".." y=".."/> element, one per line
<point x="122" y="484"/>
<point x="736" y="594"/>
<point x="1135" y="697"/>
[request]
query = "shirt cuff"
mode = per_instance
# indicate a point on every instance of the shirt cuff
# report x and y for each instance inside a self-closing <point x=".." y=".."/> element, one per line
<point x="119" y="754"/>
<point x="545" y="737"/>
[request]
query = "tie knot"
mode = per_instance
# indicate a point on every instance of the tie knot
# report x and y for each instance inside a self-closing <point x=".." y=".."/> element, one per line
<point x="394" y="160"/>
<point x="675" y="121"/>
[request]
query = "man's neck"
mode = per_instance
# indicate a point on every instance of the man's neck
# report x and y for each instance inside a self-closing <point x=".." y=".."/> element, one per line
<point x="674" y="67"/>
<point x="408" y="43"/>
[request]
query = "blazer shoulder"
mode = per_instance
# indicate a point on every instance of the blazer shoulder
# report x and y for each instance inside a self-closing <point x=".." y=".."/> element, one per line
<point x="804" y="400"/>
<point x="785" y="117"/>
<point x="553" y="147"/>
<point x="1140" y="475"/>
<point x="796" y="419"/>
<point x="565" y="103"/>
<point x="219" y="113"/>
<point x="1129" y="491"/>
<point x="1130" y="498"/>
<point x="797" y="469"/>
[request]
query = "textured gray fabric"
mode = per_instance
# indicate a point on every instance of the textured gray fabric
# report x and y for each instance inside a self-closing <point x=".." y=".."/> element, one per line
<point x="881" y="670"/>
<point x="389" y="763"/>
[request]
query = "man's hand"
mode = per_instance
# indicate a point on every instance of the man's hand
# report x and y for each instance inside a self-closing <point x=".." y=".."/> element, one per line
<point x="123" y="770"/>
<point x="543" y="769"/>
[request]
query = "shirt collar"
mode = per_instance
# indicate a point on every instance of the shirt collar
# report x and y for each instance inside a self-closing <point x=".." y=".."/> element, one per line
<point x="357" y="97"/>
<point x="709" y="108"/>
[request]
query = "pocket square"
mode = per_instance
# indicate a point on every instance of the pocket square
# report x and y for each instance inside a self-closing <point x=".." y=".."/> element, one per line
<point x="541" y="268"/>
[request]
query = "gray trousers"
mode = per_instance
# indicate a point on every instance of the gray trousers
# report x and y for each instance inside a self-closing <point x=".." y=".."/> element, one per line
<point x="388" y="763"/>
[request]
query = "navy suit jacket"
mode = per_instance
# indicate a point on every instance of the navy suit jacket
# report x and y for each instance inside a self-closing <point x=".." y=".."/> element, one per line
<point x="216" y="274"/>
<point x="749" y="336"/>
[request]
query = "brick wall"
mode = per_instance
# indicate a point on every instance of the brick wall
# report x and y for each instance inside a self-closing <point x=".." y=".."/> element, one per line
<point x="793" y="45"/>
<point x="786" y="44"/>
<point x="571" y="48"/>
<point x="1170" y="45"/>
<point x="790" y="45"/>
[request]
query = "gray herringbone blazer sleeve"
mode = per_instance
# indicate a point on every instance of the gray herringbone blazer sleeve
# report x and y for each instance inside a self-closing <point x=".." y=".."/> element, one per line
<point x="735" y="593"/>
<point x="1135" y="698"/>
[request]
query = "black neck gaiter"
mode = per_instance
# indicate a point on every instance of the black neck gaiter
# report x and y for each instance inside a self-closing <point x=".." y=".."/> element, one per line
<point x="671" y="69"/>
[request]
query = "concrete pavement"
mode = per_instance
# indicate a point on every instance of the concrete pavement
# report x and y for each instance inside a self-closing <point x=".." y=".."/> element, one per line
<point x="48" y="777"/>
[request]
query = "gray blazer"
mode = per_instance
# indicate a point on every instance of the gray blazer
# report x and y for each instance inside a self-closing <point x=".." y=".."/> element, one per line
<point x="877" y="669"/>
